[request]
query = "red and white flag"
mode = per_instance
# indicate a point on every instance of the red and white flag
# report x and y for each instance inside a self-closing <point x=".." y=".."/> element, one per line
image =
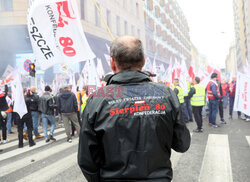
<point x="56" y="33"/>
<point x="191" y="70"/>
<point x="176" y="70"/>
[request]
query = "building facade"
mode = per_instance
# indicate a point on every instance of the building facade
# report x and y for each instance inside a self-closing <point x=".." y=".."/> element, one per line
<point x="167" y="31"/>
<point x="230" y="62"/>
<point x="242" y="32"/>
<point x="122" y="17"/>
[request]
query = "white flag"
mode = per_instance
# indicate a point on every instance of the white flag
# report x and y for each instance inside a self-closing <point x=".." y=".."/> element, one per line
<point x="56" y="33"/>
<point x="242" y="96"/>
<point x="100" y="70"/>
<point x="19" y="102"/>
<point x="72" y="81"/>
<point x="183" y="77"/>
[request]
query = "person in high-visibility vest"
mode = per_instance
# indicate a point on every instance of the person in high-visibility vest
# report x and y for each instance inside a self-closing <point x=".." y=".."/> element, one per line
<point x="198" y="95"/>
<point x="84" y="99"/>
<point x="187" y="102"/>
<point x="179" y="92"/>
<point x="214" y="96"/>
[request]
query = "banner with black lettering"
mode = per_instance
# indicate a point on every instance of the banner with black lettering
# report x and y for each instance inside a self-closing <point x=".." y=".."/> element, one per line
<point x="56" y="33"/>
<point x="242" y="96"/>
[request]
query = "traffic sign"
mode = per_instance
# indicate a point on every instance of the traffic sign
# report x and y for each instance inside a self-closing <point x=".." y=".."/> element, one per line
<point x="26" y="65"/>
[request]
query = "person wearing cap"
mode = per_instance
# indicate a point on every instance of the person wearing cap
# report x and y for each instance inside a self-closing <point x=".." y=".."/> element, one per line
<point x="67" y="105"/>
<point x="180" y="94"/>
<point x="46" y="107"/>
<point x="128" y="133"/>
<point x="214" y="96"/>
<point x="197" y="94"/>
<point x="151" y="75"/>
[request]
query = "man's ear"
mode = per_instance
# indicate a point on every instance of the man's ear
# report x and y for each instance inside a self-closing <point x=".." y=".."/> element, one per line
<point x="144" y="61"/>
<point x="113" y="65"/>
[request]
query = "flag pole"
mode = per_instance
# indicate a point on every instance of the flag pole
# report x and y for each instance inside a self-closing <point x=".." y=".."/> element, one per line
<point x="103" y="19"/>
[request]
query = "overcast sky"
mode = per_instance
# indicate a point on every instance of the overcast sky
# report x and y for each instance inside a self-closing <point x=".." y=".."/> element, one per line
<point x="211" y="24"/>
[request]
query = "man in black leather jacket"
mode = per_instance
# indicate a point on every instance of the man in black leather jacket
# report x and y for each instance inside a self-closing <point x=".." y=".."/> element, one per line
<point x="130" y="126"/>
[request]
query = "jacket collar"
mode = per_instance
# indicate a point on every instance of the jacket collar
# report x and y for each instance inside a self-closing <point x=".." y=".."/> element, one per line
<point x="128" y="76"/>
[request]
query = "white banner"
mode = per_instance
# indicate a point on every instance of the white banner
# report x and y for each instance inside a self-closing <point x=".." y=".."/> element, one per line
<point x="56" y="33"/>
<point x="242" y="95"/>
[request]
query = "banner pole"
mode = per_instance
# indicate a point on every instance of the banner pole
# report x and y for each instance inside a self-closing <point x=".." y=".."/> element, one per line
<point x="103" y="19"/>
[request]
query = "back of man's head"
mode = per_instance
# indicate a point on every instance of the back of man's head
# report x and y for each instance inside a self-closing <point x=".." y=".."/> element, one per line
<point x="128" y="53"/>
<point x="197" y="79"/>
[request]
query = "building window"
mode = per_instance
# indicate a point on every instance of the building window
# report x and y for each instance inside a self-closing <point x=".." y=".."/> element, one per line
<point x="97" y="17"/>
<point x="125" y="27"/>
<point x="133" y="30"/>
<point x="83" y="5"/>
<point x="139" y="33"/>
<point x="131" y="6"/>
<point x="108" y="18"/>
<point x="6" y="5"/>
<point x="137" y="10"/>
<point x="125" y="3"/>
<point x="118" y="25"/>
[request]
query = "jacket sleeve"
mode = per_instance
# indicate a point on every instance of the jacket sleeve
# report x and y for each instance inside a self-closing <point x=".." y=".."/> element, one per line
<point x="6" y="90"/>
<point x="89" y="152"/>
<point x="191" y="92"/>
<point x="181" y="136"/>
<point x="75" y="105"/>
<point x="214" y="91"/>
<point x="176" y="91"/>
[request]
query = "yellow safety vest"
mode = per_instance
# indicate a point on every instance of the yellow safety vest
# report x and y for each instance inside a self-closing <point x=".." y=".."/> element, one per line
<point x="189" y="87"/>
<point x="84" y="102"/>
<point x="198" y="98"/>
<point x="180" y="94"/>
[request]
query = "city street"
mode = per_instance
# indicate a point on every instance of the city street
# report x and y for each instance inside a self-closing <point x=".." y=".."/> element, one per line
<point x="217" y="154"/>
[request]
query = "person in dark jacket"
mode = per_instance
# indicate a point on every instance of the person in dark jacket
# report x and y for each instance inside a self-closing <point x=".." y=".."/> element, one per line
<point x="232" y="90"/>
<point x="27" y="119"/>
<point x="67" y="104"/>
<point x="221" y="111"/>
<point x="130" y="125"/>
<point x="34" y="112"/>
<point x="46" y="107"/>
<point x="3" y="115"/>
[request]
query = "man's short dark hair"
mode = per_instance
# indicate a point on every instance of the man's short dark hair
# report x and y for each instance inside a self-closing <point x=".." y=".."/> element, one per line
<point x="197" y="79"/>
<point x="47" y="88"/>
<point x="128" y="54"/>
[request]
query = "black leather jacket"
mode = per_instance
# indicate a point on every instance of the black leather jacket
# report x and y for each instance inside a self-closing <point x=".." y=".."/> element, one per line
<point x="34" y="102"/>
<point x="129" y="128"/>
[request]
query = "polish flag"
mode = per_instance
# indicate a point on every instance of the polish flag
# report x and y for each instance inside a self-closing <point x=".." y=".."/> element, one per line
<point x="176" y="70"/>
<point x="191" y="70"/>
